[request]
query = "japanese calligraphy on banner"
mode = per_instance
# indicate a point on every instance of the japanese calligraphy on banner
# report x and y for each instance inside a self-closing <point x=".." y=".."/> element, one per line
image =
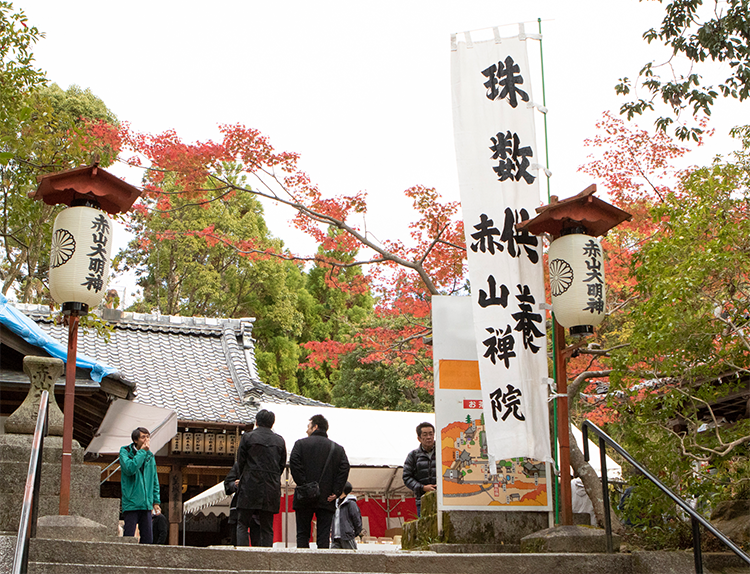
<point x="496" y="149"/>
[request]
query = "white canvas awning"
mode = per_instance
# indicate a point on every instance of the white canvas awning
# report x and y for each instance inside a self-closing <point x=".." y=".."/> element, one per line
<point x="370" y="438"/>
<point x="123" y="417"/>
<point x="213" y="498"/>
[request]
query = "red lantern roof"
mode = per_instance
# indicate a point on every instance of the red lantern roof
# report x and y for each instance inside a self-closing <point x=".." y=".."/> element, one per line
<point x="111" y="193"/>
<point x="582" y="210"/>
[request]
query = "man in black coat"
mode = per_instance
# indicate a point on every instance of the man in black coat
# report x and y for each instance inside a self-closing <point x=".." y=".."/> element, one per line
<point x="231" y="484"/>
<point x="261" y="459"/>
<point x="307" y="463"/>
<point x="420" y="464"/>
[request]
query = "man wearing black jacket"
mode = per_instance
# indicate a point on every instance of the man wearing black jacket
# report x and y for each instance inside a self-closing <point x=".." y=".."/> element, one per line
<point x="308" y="463"/>
<point x="261" y="459"/>
<point x="420" y="464"/>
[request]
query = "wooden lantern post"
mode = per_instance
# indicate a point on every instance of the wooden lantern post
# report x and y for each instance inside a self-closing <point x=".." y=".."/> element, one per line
<point x="89" y="186"/>
<point x="596" y="218"/>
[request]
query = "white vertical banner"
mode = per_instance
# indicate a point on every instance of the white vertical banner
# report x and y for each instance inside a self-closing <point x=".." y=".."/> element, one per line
<point x="495" y="147"/>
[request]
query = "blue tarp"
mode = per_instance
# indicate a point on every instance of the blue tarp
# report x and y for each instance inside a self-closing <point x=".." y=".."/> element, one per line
<point x="30" y="332"/>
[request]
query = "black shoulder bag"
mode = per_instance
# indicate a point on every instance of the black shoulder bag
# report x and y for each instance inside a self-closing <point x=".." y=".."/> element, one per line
<point x="310" y="491"/>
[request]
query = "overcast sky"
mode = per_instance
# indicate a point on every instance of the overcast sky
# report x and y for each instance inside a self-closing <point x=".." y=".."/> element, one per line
<point x="360" y="90"/>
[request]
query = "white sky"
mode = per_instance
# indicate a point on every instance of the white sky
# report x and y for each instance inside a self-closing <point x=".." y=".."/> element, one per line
<point x="360" y="90"/>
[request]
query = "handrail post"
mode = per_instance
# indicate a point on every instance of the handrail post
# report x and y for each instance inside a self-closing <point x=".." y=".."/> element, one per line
<point x="696" y="519"/>
<point x="697" y="553"/>
<point x="585" y="433"/>
<point x="27" y="522"/>
<point x="38" y="478"/>
<point x="605" y="495"/>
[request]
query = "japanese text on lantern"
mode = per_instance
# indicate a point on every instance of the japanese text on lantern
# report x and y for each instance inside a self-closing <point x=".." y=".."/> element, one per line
<point x="594" y="278"/>
<point x="98" y="256"/>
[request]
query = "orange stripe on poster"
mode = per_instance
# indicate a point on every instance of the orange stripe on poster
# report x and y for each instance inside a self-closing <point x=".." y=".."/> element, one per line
<point x="463" y="375"/>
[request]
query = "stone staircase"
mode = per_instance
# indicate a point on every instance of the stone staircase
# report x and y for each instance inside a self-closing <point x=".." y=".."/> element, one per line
<point x="48" y="556"/>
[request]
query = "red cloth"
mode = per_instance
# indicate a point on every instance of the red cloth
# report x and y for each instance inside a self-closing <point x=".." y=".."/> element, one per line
<point x="374" y="509"/>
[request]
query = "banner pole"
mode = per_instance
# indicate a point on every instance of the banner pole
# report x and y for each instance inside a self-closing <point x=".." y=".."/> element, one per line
<point x="555" y="413"/>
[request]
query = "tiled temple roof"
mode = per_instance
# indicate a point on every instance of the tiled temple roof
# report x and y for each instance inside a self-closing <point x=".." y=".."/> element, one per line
<point x="203" y="368"/>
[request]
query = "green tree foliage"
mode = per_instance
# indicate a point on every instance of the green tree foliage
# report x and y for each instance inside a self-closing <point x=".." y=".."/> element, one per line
<point x="184" y="272"/>
<point x="716" y="32"/>
<point x="339" y="305"/>
<point x="687" y="333"/>
<point x="379" y="386"/>
<point x="43" y="129"/>
<point x="64" y="129"/>
<point x="18" y="76"/>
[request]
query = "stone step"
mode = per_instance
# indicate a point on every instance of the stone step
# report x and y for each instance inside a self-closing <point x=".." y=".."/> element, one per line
<point x="219" y="559"/>
<point x="62" y="568"/>
<point x="105" y="511"/>
<point x="58" y="568"/>
<point x="71" y="557"/>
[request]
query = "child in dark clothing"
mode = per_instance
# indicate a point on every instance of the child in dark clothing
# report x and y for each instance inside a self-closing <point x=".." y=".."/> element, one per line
<point x="347" y="521"/>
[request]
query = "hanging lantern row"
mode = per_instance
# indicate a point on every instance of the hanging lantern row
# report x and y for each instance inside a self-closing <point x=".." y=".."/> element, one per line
<point x="576" y="274"/>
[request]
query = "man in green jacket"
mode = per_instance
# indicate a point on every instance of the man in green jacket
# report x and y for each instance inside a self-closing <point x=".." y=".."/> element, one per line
<point x="140" y="485"/>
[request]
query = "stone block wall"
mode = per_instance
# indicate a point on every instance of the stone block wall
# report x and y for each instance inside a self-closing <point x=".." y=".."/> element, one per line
<point x="470" y="526"/>
<point x="15" y="451"/>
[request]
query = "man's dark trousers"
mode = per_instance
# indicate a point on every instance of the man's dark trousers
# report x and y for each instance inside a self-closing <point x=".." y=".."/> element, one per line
<point x="304" y="518"/>
<point x="260" y="524"/>
<point x="143" y="519"/>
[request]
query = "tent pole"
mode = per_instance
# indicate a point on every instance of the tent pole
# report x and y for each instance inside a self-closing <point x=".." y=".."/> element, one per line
<point x="286" y="509"/>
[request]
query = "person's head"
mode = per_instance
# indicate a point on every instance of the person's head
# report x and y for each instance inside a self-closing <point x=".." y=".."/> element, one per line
<point x="426" y="435"/>
<point x="139" y="436"/>
<point x="347" y="488"/>
<point x="265" y="418"/>
<point x="317" y="422"/>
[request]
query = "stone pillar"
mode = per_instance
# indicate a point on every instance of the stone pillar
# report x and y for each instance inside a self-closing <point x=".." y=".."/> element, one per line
<point x="175" y="504"/>
<point x="43" y="372"/>
<point x="87" y="508"/>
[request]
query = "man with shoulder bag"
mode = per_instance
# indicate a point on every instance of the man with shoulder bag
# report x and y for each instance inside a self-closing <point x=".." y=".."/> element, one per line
<point x="320" y="469"/>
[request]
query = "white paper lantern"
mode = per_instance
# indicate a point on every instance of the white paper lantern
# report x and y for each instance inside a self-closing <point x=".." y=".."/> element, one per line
<point x="79" y="262"/>
<point x="576" y="275"/>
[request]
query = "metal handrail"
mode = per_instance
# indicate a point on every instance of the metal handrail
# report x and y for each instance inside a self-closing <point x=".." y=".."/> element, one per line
<point x="696" y="519"/>
<point x="111" y="474"/>
<point x="27" y="525"/>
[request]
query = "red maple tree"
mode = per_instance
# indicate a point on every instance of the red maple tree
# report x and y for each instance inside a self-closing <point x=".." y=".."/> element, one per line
<point x="403" y="274"/>
<point x="636" y="169"/>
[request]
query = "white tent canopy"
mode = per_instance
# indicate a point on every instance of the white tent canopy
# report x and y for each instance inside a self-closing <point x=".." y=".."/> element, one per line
<point x="123" y="417"/>
<point x="376" y="444"/>
<point x="370" y="438"/>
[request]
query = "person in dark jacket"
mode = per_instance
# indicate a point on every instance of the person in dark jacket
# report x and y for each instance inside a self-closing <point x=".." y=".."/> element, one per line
<point x="307" y="462"/>
<point x="231" y="484"/>
<point x="160" y="528"/>
<point x="420" y="464"/>
<point x="139" y="484"/>
<point x="261" y="459"/>
<point x="347" y="521"/>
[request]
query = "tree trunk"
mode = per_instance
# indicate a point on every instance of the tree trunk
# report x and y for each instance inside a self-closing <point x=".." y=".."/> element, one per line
<point x="592" y="484"/>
